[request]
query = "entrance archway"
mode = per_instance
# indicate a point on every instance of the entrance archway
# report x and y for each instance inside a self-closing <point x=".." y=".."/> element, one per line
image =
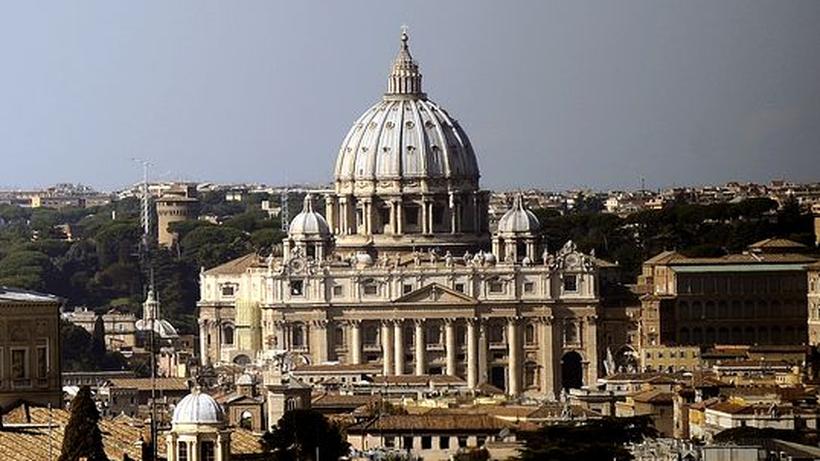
<point x="572" y="371"/>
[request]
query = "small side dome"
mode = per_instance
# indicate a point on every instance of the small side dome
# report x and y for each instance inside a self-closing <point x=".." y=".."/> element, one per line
<point x="309" y="224"/>
<point x="245" y="380"/>
<point x="198" y="408"/>
<point x="518" y="220"/>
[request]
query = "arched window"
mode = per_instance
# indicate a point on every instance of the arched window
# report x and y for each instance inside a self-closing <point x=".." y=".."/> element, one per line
<point x="496" y="332"/>
<point x="433" y="333"/>
<point x="338" y="337"/>
<point x="291" y="404"/>
<point x="298" y="335"/>
<point x="684" y="312"/>
<point x="723" y="335"/>
<point x="723" y="310"/>
<point x="227" y="335"/>
<point x="246" y="420"/>
<point x="570" y="333"/>
<point x="683" y="336"/>
<point x="697" y="310"/>
<point x="530" y="336"/>
<point x="371" y="335"/>
<point x="530" y="375"/>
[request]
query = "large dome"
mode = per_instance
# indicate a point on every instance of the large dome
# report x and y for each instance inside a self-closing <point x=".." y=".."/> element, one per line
<point x="406" y="136"/>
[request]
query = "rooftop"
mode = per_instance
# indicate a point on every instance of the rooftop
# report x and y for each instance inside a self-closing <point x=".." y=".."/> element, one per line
<point x="17" y="295"/>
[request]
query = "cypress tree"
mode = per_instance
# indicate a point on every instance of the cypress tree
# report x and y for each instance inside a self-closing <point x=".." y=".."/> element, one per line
<point x="98" y="346"/>
<point x="82" y="434"/>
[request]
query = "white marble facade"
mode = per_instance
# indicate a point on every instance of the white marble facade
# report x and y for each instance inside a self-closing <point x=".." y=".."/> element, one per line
<point x="403" y="271"/>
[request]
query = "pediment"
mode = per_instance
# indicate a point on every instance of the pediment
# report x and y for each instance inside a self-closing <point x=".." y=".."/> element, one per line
<point x="436" y="293"/>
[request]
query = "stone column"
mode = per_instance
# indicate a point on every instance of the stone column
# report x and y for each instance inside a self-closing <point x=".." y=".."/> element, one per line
<point x="483" y="372"/>
<point x="472" y="353"/>
<point x="398" y="346"/>
<point x="450" y="346"/>
<point x="330" y="212"/>
<point x="591" y="349"/>
<point x="424" y="218"/>
<point x="318" y="343"/>
<point x="421" y="348"/>
<point x="387" y="349"/>
<point x="355" y="328"/>
<point x="399" y="218"/>
<point x="204" y="358"/>
<point x="513" y="357"/>
<point x="343" y="215"/>
<point x="547" y="347"/>
<point x="217" y="326"/>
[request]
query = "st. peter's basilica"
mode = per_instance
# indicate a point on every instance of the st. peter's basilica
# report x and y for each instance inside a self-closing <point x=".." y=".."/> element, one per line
<point x="401" y="269"/>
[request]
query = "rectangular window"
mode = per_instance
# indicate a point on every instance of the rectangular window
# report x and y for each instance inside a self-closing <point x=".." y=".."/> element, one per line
<point x="338" y="290"/>
<point x="438" y="215"/>
<point x="460" y="287"/>
<point x="443" y="442"/>
<point x="411" y="215"/>
<point x="407" y="288"/>
<point x="371" y="289"/>
<point x="227" y="290"/>
<point x="42" y="361"/>
<point x="407" y="443"/>
<point x="19" y="363"/>
<point x="207" y="451"/>
<point x="570" y="283"/>
<point x="496" y="286"/>
<point x="529" y="287"/>
<point x="462" y="442"/>
<point x="182" y="451"/>
<point x="297" y="287"/>
<point x="426" y="442"/>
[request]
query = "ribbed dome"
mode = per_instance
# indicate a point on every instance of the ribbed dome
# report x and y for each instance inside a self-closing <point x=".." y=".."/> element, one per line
<point x="309" y="223"/>
<point x="198" y="408"/>
<point x="518" y="220"/>
<point x="406" y="136"/>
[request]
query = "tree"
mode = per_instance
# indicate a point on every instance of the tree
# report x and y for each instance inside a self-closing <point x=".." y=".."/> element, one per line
<point x="27" y="269"/>
<point x="299" y="433"/>
<point x="82" y="438"/>
<point x="599" y="440"/>
<point x="98" y="338"/>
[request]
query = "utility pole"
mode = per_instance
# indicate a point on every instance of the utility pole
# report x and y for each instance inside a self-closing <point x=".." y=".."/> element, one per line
<point x="284" y="210"/>
<point x="147" y="265"/>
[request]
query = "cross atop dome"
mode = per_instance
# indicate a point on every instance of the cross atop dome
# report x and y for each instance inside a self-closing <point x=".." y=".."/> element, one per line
<point x="405" y="78"/>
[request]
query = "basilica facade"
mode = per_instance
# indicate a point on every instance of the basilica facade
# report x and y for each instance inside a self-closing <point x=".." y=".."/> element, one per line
<point x="401" y="268"/>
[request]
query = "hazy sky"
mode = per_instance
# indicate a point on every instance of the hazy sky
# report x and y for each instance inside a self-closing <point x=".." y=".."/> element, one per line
<point x="554" y="94"/>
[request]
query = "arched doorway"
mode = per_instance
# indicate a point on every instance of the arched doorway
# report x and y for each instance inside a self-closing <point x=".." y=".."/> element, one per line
<point x="241" y="359"/>
<point x="572" y="371"/>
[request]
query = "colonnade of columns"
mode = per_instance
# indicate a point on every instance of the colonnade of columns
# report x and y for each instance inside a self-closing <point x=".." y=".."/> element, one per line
<point x="342" y="214"/>
<point x="394" y="353"/>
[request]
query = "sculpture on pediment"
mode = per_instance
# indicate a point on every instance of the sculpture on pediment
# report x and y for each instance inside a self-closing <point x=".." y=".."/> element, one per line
<point x="467" y="257"/>
<point x="448" y="259"/>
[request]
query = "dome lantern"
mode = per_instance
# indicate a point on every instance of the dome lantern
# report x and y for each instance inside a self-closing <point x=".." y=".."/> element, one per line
<point x="405" y="78"/>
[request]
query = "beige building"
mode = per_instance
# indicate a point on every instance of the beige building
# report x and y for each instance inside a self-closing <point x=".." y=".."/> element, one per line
<point x="670" y="358"/>
<point x="755" y="297"/>
<point x="174" y="205"/>
<point x="403" y="272"/>
<point x="813" y="302"/>
<point x="29" y="348"/>
<point x="119" y="325"/>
